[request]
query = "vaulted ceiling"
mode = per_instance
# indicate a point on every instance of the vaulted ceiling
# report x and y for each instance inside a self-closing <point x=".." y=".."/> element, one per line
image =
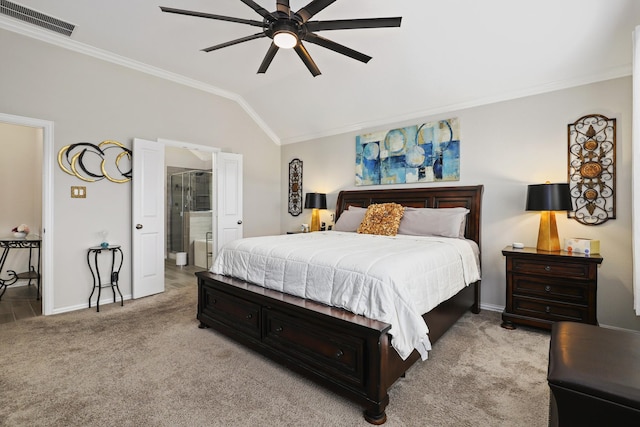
<point x="447" y="54"/>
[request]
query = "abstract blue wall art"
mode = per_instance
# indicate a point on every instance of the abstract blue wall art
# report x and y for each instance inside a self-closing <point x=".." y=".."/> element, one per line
<point x="429" y="152"/>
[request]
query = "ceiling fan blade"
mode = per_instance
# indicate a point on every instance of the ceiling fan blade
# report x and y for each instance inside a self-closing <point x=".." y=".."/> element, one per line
<point x="306" y="58"/>
<point x="312" y="8"/>
<point x="261" y="10"/>
<point x="236" y="41"/>
<point x="211" y="16"/>
<point x="283" y="6"/>
<point x="336" y="47"/>
<point x="273" y="49"/>
<point x="350" y="24"/>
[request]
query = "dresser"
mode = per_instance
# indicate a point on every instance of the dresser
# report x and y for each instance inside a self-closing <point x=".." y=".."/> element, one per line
<point x="546" y="287"/>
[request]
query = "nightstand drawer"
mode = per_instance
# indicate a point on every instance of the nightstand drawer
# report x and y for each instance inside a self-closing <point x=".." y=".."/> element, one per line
<point x="557" y="290"/>
<point x="574" y="270"/>
<point x="550" y="310"/>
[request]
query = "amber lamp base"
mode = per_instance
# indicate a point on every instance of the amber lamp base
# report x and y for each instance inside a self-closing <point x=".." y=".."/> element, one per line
<point x="315" y="220"/>
<point x="548" y="233"/>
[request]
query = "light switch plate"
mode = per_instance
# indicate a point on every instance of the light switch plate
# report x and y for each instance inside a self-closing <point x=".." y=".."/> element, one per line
<point x="78" y="192"/>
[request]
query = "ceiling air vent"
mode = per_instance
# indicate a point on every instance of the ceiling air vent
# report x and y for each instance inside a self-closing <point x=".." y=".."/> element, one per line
<point x="36" y="18"/>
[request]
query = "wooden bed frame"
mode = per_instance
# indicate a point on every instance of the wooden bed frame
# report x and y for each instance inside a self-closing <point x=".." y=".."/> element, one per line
<point x="347" y="353"/>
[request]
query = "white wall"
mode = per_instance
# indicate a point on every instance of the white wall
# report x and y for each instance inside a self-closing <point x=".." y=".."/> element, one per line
<point x="506" y="146"/>
<point x="92" y="100"/>
<point x="184" y="158"/>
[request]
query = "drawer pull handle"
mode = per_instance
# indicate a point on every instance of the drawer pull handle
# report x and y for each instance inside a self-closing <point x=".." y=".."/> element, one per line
<point x="547" y="309"/>
<point x="249" y="316"/>
<point x="279" y="329"/>
<point x="213" y="300"/>
<point x="547" y="268"/>
<point x="547" y="288"/>
<point x="339" y="354"/>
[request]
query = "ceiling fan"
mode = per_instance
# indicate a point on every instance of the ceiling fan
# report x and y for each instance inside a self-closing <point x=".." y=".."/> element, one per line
<point x="288" y="29"/>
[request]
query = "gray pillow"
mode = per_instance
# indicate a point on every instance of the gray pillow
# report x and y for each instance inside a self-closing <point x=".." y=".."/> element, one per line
<point x="444" y="222"/>
<point x="350" y="219"/>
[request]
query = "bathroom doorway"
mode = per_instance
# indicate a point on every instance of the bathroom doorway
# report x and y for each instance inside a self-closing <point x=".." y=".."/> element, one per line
<point x="190" y="233"/>
<point x="189" y="207"/>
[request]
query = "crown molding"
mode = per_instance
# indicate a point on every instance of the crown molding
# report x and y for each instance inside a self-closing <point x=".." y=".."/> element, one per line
<point x="610" y="74"/>
<point x="67" y="43"/>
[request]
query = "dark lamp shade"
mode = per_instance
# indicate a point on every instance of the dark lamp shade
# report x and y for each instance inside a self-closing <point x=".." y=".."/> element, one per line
<point x="315" y="201"/>
<point x="549" y="197"/>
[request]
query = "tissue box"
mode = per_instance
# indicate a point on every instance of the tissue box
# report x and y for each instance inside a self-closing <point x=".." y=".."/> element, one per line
<point x="583" y="246"/>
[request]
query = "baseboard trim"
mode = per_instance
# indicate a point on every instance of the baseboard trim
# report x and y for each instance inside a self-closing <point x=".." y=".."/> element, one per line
<point x="103" y="301"/>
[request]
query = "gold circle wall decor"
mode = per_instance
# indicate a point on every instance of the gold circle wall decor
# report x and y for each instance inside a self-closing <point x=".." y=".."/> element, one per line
<point x="91" y="163"/>
<point x="592" y="169"/>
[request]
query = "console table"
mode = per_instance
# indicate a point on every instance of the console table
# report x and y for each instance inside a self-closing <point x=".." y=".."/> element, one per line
<point x="116" y="264"/>
<point x="32" y="273"/>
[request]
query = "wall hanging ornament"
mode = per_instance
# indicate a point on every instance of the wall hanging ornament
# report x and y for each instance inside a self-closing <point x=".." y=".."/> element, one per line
<point x="91" y="163"/>
<point x="592" y="169"/>
<point x="295" y="187"/>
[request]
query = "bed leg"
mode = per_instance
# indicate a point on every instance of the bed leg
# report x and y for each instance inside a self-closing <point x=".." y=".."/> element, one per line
<point x="375" y="414"/>
<point x="475" y="308"/>
<point x="377" y="418"/>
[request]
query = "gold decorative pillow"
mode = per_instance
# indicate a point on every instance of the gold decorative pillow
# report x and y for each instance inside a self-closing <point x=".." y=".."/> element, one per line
<point x="382" y="219"/>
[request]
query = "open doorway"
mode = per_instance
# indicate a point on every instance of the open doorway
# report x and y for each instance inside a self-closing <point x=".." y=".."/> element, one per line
<point x="21" y="162"/>
<point x="149" y="250"/>
<point x="21" y="186"/>
<point x="189" y="200"/>
<point x="189" y="207"/>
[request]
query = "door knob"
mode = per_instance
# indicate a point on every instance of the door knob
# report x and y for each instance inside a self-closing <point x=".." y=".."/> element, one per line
<point x="138" y="226"/>
<point x="239" y="221"/>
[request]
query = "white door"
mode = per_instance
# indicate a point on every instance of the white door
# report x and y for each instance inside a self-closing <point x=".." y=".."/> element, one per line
<point x="228" y="167"/>
<point x="148" y="218"/>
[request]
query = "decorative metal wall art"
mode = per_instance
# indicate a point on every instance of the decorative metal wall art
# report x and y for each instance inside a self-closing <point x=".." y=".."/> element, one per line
<point x="429" y="152"/>
<point x="295" y="187"/>
<point x="91" y="163"/>
<point x="592" y="169"/>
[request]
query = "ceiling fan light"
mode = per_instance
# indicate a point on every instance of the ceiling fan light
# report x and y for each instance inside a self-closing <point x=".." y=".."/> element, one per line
<point x="285" y="39"/>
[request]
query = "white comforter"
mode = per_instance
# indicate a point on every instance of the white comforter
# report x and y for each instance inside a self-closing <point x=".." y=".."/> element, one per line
<point x="391" y="279"/>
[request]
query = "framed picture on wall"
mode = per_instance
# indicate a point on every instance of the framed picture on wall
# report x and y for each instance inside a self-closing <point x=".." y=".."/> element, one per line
<point x="429" y="152"/>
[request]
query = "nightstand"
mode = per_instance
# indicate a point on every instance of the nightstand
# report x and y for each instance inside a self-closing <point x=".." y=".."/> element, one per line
<point x="546" y="287"/>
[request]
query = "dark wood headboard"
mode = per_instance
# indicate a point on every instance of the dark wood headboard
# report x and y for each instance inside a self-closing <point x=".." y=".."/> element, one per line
<point x="469" y="197"/>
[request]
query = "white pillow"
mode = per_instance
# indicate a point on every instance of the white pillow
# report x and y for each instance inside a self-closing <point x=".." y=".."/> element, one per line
<point x="350" y="219"/>
<point x="444" y="222"/>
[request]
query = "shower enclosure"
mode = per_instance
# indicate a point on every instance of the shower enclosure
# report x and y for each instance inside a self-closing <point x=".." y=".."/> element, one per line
<point x="190" y="214"/>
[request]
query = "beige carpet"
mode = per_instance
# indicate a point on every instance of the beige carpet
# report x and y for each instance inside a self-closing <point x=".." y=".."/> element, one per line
<point x="148" y="364"/>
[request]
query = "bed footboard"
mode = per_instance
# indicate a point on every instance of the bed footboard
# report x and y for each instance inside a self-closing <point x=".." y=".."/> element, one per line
<point x="349" y="354"/>
<point x="342" y="351"/>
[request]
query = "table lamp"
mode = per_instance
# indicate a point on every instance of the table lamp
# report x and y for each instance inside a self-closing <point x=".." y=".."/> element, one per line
<point x="315" y="201"/>
<point x="548" y="198"/>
